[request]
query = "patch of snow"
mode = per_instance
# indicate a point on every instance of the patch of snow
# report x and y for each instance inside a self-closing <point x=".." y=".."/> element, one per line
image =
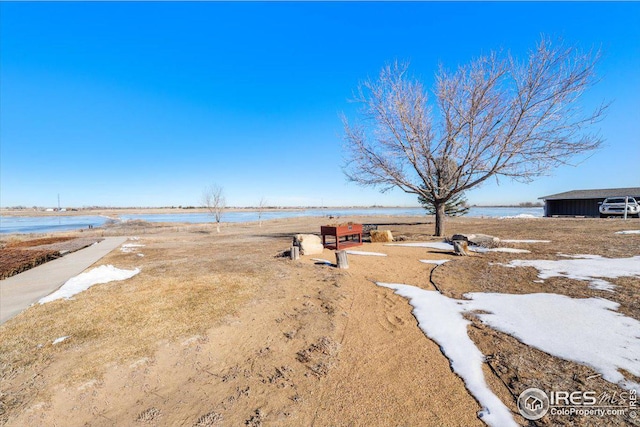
<point x="435" y="261"/>
<point x="588" y="331"/>
<point x="589" y="268"/>
<point x="508" y="250"/>
<point x="365" y="253"/>
<point x="502" y="265"/>
<point x="432" y="245"/>
<point x="130" y="247"/>
<point x="524" y="241"/>
<point x="602" y="285"/>
<point x="83" y="281"/>
<point x="580" y="256"/>
<point x="521" y="216"/>
<point x="628" y="232"/>
<point x="537" y="281"/>
<point x="449" y="247"/>
<point x="134" y="238"/>
<point x="59" y="340"/>
<point x="440" y="318"/>
<point x="140" y="255"/>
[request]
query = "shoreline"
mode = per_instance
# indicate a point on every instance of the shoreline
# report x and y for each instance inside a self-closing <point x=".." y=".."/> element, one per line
<point x="46" y="222"/>
<point x="110" y="212"/>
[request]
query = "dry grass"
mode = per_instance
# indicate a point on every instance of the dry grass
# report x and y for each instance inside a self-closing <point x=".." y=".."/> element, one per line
<point x="183" y="290"/>
<point x="37" y="242"/>
<point x="19" y="255"/>
<point x="14" y="261"/>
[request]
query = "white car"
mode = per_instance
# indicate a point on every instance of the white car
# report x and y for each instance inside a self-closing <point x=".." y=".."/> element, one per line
<point x="615" y="206"/>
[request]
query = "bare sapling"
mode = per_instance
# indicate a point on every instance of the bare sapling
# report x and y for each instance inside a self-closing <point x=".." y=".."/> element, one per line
<point x="213" y="199"/>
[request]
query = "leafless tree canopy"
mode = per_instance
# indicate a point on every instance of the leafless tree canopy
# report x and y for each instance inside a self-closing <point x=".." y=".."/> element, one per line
<point x="496" y="116"/>
<point x="261" y="207"/>
<point x="213" y="199"/>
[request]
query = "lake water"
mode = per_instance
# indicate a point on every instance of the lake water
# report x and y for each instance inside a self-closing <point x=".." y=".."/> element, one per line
<point x="49" y="224"/>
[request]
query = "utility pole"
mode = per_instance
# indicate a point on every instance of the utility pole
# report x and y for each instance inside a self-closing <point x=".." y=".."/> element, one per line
<point x="58" y="202"/>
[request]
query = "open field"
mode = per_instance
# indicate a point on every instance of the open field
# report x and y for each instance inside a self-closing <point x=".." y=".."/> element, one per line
<point x="222" y="330"/>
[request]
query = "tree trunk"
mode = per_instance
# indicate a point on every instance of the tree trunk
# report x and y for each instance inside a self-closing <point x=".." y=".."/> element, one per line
<point x="341" y="259"/>
<point x="440" y="217"/>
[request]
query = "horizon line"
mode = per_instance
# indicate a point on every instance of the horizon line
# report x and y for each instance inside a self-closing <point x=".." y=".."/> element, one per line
<point x="275" y="207"/>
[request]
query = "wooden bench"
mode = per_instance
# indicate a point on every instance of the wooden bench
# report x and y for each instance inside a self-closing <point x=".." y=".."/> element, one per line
<point x="350" y="232"/>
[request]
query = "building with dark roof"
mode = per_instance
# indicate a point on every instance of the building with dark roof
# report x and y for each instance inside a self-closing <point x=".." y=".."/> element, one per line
<point x="583" y="202"/>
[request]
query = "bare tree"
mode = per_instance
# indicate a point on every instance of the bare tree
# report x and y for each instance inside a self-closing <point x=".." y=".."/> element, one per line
<point x="496" y="116"/>
<point x="261" y="207"/>
<point x="213" y="199"/>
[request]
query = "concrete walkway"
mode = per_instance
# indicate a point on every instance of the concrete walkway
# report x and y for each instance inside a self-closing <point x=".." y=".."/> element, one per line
<point x="20" y="291"/>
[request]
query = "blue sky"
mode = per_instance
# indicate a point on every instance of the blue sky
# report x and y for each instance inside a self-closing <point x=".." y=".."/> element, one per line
<point x="145" y="104"/>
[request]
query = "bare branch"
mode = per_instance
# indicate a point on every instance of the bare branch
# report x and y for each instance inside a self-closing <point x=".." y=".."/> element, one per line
<point x="213" y="199"/>
<point x="261" y="207"/>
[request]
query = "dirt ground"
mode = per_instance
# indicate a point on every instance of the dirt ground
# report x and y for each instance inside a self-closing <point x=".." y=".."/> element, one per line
<point x="222" y="330"/>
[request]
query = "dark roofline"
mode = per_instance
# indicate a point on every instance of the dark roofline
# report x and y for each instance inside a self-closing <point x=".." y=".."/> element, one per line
<point x="602" y="193"/>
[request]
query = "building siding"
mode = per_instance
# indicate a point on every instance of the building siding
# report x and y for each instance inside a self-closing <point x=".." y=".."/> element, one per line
<point x="575" y="207"/>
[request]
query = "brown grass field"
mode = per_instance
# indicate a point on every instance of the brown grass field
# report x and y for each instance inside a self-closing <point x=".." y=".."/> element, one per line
<point x="222" y="330"/>
<point x="18" y="254"/>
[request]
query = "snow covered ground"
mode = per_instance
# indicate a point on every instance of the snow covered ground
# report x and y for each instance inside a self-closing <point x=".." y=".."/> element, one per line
<point x="365" y="253"/>
<point x="130" y="247"/>
<point x="587" y="331"/>
<point x="589" y="268"/>
<point x="449" y="247"/>
<point x="433" y="245"/>
<point x="628" y="232"/>
<point x="520" y="216"/>
<point x="508" y="250"/>
<point x="440" y="318"/>
<point x="524" y="241"/>
<point x="59" y="340"/>
<point x="83" y="281"/>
